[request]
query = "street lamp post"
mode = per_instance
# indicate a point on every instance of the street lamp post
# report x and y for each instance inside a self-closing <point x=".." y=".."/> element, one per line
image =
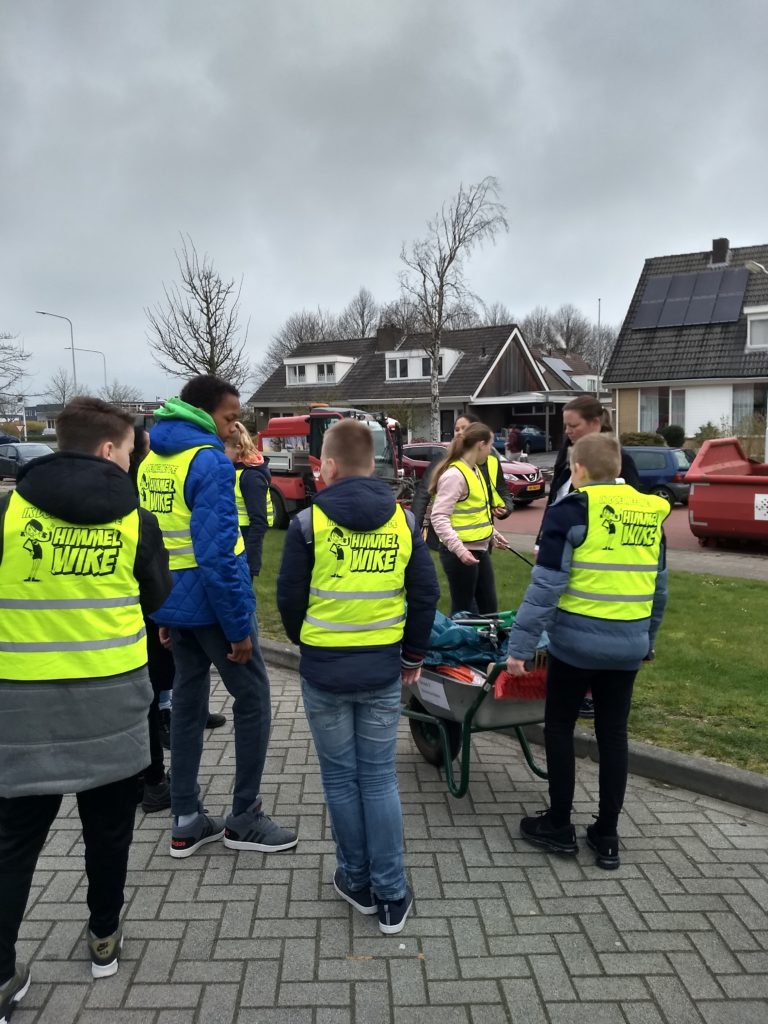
<point x="59" y="316"/>
<point x="98" y="352"/>
<point x="758" y="268"/>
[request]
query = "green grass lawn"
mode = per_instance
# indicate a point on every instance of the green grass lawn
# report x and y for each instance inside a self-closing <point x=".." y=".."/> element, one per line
<point x="706" y="692"/>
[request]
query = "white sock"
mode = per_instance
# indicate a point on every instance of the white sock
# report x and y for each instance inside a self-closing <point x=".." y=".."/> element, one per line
<point x="186" y="819"/>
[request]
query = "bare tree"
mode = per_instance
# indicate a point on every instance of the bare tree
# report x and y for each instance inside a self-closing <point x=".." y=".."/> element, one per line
<point x="598" y="349"/>
<point x="434" y="278"/>
<point x="196" y="328"/>
<point x="497" y="315"/>
<point x="537" y="328"/>
<point x="61" y="387"/>
<point x="120" y="394"/>
<point x="571" y="328"/>
<point x="403" y="315"/>
<point x="299" y="329"/>
<point x="13" y="361"/>
<point x="360" y="317"/>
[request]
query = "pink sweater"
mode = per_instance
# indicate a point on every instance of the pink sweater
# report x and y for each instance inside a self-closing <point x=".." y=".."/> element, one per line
<point x="451" y="487"/>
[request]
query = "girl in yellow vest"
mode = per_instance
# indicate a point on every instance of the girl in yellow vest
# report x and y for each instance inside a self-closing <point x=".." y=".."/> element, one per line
<point x="462" y="518"/>
<point x="252" y="497"/>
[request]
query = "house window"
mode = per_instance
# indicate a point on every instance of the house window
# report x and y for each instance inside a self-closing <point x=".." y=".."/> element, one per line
<point x="326" y="372"/>
<point x="397" y="368"/>
<point x="749" y="400"/>
<point x="677" y="406"/>
<point x="757" y="327"/>
<point x="426" y="366"/>
<point x="297" y="374"/>
<point x="654" y="409"/>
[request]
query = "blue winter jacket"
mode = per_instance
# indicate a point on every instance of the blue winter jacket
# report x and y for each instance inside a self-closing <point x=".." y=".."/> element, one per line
<point x="579" y="640"/>
<point x="358" y="503"/>
<point x="219" y="589"/>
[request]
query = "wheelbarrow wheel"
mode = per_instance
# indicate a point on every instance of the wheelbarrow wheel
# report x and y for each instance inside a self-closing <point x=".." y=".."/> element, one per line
<point x="427" y="737"/>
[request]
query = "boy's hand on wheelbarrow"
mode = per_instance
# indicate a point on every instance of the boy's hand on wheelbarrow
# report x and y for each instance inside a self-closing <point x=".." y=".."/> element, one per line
<point x="516" y="667"/>
<point x="410" y="676"/>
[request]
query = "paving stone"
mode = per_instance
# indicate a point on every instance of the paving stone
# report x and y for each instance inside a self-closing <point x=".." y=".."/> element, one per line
<point x="742" y="1012"/>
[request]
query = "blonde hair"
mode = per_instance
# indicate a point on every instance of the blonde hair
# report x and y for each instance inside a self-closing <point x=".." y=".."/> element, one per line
<point x="350" y="444"/>
<point x="242" y="443"/>
<point x="599" y="454"/>
<point x="474" y="434"/>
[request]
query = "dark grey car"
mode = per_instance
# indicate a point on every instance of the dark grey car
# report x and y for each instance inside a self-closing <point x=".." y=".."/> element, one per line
<point x="14" y="456"/>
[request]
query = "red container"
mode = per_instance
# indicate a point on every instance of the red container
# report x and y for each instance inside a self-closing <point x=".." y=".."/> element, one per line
<point x="729" y="494"/>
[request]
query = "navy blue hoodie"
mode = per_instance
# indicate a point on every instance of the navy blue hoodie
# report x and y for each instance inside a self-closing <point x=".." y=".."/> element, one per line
<point x="357" y="503"/>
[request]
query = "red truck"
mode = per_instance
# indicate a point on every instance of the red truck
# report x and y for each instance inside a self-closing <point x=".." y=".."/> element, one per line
<point x="292" y="444"/>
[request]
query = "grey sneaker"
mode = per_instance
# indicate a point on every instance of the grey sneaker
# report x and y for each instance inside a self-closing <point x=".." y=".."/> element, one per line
<point x="105" y="953"/>
<point x="255" y="830"/>
<point x="394" y="914"/>
<point x="13" y="991"/>
<point x="185" y="839"/>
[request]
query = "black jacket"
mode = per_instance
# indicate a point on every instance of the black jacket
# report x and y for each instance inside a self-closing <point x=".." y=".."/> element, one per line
<point x="422" y="497"/>
<point x="562" y="471"/>
<point x="254" y="485"/>
<point x="86" y="489"/>
<point x="360" y="504"/>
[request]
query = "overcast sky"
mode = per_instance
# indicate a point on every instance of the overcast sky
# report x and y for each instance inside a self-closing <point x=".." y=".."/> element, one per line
<point x="300" y="142"/>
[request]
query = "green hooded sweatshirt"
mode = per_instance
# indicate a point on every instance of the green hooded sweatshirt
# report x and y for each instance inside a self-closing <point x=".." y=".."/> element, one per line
<point x="175" y="409"/>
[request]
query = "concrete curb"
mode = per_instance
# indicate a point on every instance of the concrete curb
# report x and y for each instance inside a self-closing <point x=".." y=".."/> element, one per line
<point x="697" y="774"/>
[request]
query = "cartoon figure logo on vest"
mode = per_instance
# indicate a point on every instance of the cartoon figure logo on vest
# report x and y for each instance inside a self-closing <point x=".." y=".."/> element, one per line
<point x="336" y="547"/>
<point x="609" y="518"/>
<point x="36" y="536"/>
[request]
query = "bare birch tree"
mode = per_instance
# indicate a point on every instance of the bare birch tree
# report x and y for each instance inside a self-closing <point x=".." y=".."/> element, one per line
<point x="434" y="274"/>
<point x="196" y="328"/>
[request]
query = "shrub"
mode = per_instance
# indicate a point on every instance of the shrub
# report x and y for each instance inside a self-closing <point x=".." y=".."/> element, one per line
<point x="674" y="435"/>
<point x="633" y="439"/>
<point x="706" y="432"/>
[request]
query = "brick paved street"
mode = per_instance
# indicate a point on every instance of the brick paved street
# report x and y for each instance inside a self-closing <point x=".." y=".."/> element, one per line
<point x="499" y="932"/>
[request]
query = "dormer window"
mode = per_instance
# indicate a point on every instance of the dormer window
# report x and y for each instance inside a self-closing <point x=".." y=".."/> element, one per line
<point x="757" y="327"/>
<point x="426" y="366"/>
<point x="326" y="372"/>
<point x="397" y="368"/>
<point x="297" y="374"/>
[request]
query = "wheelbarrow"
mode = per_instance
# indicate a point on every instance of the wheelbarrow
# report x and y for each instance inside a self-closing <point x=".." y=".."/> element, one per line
<point x="444" y="713"/>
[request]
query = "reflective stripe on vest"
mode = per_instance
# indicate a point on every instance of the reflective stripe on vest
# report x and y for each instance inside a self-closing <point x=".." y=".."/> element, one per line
<point x="47" y="634"/>
<point x="613" y="572"/>
<point x="356" y="595"/>
<point x="471" y="516"/>
<point x="161" y="480"/>
<point x="242" y="512"/>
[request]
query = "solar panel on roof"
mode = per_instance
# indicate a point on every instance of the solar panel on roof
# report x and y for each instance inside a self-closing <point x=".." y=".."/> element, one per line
<point x="676" y="300"/>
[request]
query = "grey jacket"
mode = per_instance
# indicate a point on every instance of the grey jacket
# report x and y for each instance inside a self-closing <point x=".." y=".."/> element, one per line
<point x="65" y="736"/>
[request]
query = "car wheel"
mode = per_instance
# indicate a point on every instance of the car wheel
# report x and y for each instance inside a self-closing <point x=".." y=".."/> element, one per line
<point x="664" y="492"/>
<point x="279" y="510"/>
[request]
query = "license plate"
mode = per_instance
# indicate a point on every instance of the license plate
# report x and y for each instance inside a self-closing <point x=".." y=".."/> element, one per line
<point x="534" y="487"/>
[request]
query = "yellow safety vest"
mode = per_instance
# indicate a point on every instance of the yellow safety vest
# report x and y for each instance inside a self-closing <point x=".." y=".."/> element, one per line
<point x="471" y="516"/>
<point x="161" y="480"/>
<point x="613" y="572"/>
<point x="69" y="601"/>
<point x="242" y="512"/>
<point x="356" y="593"/>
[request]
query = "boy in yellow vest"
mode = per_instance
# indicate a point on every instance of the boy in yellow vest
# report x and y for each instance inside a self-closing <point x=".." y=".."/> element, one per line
<point x="74" y="689"/>
<point x="358" y="637"/>
<point x="599" y="589"/>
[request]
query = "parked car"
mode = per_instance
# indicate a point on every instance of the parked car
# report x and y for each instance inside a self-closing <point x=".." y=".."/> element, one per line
<point x="7" y="439"/>
<point x="662" y="471"/>
<point x="525" y="481"/>
<point x="14" y="456"/>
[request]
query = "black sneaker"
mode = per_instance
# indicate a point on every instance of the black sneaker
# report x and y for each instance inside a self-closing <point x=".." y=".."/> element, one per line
<point x="165" y="728"/>
<point x="587" y="709"/>
<point x="255" y="830"/>
<point x="185" y="839"/>
<point x="157" y="796"/>
<point x="13" y="991"/>
<point x="606" y="848"/>
<point x="214" y="721"/>
<point x="540" y="832"/>
<point x="105" y="953"/>
<point x="361" y="899"/>
<point x="393" y="915"/>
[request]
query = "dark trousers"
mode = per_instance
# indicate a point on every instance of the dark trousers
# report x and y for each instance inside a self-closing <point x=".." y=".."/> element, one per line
<point x="612" y="696"/>
<point x="472" y="587"/>
<point x="161" y="670"/>
<point x="106" y="814"/>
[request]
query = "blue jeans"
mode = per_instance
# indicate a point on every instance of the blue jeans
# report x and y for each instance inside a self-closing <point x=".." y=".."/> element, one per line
<point x="194" y="651"/>
<point x="355" y="737"/>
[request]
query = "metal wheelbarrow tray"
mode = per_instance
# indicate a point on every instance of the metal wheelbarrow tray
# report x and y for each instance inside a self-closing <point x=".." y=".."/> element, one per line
<point x="443" y="713"/>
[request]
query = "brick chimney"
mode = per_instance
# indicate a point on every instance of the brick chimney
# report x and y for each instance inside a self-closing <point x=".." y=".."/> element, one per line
<point x="720" y="250"/>
<point x="388" y="338"/>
